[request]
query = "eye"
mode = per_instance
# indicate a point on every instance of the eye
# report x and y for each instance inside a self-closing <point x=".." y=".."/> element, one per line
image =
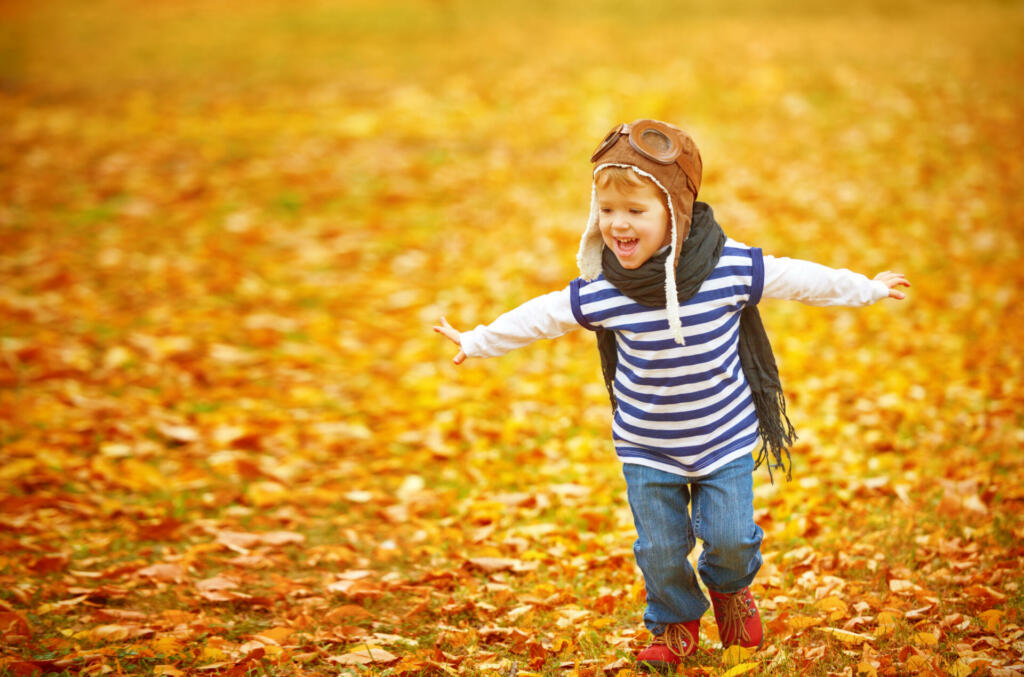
<point x="636" y="211"/>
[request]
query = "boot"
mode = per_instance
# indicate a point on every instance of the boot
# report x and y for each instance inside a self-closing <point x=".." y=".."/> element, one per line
<point x="667" y="650"/>
<point x="738" y="619"/>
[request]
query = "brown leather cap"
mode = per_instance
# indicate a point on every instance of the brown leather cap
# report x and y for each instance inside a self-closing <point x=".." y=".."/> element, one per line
<point x="668" y="156"/>
<point x="665" y="152"/>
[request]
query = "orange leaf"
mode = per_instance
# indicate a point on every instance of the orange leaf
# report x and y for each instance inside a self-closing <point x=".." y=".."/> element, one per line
<point x="991" y="619"/>
<point x="169" y="573"/>
<point x="366" y="656"/>
<point x="14" y="623"/>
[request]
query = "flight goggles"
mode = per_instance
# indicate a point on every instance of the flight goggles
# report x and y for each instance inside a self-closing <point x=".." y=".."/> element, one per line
<point x="654" y="140"/>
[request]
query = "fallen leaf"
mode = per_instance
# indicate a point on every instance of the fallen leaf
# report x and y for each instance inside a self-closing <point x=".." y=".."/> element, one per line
<point x="366" y="656"/>
<point x="216" y="583"/>
<point x="847" y="637"/>
<point x="167" y="573"/>
<point x="991" y="619"/>
<point x="740" y="669"/>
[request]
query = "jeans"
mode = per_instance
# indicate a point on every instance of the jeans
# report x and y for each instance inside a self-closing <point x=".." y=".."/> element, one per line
<point x="723" y="518"/>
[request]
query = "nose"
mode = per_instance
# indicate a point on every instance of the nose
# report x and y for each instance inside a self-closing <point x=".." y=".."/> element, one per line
<point x="620" y="221"/>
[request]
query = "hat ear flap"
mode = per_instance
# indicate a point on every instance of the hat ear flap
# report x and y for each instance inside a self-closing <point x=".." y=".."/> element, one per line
<point x="591" y="244"/>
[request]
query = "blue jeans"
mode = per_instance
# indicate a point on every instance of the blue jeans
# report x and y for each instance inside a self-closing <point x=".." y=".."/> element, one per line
<point x="723" y="518"/>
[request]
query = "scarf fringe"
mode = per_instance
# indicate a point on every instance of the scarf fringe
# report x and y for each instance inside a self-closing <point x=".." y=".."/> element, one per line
<point x="777" y="433"/>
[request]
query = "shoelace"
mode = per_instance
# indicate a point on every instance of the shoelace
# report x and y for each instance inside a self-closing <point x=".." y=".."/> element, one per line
<point x="676" y="637"/>
<point x="738" y="608"/>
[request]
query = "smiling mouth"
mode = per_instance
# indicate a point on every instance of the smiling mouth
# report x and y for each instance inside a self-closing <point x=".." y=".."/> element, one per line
<point x="626" y="247"/>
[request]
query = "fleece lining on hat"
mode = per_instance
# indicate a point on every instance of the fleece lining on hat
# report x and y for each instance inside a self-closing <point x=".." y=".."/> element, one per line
<point x="589" y="257"/>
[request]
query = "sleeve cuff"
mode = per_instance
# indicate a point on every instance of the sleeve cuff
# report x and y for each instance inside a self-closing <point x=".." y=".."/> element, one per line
<point x="468" y="343"/>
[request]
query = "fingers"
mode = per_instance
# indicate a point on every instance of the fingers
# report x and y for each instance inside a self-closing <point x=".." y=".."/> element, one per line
<point x="453" y="334"/>
<point x="448" y="330"/>
<point x="892" y="281"/>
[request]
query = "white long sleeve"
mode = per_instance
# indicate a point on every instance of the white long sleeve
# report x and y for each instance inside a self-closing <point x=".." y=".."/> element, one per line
<point x="547" y="316"/>
<point x="818" y="285"/>
<point x="550" y="315"/>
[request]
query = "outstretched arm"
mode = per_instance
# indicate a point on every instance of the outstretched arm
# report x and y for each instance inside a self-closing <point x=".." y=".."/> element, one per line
<point x="546" y="316"/>
<point x="818" y="285"/>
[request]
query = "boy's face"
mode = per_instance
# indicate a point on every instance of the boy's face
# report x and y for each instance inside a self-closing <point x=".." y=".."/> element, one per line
<point x="633" y="221"/>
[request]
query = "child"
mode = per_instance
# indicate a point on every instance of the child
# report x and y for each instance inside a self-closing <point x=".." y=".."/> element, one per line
<point x="689" y="370"/>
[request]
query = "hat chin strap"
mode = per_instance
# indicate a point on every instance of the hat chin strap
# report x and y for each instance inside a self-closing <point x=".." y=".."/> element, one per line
<point x="589" y="256"/>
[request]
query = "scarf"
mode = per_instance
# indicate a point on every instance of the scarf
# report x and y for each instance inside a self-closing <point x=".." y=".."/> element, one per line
<point x="699" y="256"/>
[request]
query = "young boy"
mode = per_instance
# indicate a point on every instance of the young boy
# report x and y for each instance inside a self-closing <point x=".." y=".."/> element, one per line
<point x="689" y="370"/>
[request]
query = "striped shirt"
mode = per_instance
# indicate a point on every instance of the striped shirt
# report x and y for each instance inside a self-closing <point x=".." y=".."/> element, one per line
<point x="682" y="408"/>
<point x="685" y="409"/>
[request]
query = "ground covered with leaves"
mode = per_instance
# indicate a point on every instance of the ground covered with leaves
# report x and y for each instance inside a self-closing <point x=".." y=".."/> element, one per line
<point x="232" y="445"/>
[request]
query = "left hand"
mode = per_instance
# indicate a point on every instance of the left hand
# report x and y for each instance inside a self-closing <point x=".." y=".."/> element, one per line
<point x="892" y="281"/>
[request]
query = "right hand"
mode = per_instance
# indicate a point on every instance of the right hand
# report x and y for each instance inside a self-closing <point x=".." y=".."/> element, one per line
<point x="453" y="334"/>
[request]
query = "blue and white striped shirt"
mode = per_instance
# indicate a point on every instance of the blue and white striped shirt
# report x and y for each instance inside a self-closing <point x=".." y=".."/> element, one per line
<point x="685" y="409"/>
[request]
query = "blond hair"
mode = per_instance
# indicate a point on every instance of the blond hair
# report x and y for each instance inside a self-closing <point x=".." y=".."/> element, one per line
<point x="625" y="179"/>
<point x="620" y="178"/>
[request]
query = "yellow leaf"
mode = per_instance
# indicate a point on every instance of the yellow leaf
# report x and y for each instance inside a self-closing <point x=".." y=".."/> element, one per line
<point x="278" y="634"/>
<point x="166" y="645"/>
<point x="168" y="671"/>
<point x="835" y="607"/>
<point x="139" y="475"/>
<point x="797" y="622"/>
<point x="212" y="653"/>
<point x="265" y="494"/>
<point x="992" y="619"/>
<point x="740" y="669"/>
<point x="960" y="669"/>
<point x="735" y="654"/>
<point x="17" y="468"/>
<point x="916" y="662"/>
<point x="847" y="637"/>
<point x="926" y="638"/>
<point x="886" y="623"/>
<point x="866" y="669"/>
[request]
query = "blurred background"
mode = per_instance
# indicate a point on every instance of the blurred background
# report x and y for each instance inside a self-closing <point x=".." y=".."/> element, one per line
<point x="227" y="227"/>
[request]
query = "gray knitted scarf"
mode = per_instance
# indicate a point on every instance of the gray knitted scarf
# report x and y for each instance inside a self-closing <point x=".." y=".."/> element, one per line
<point x="700" y="254"/>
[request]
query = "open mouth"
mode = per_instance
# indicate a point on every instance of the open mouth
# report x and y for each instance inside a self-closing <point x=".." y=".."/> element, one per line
<point x="626" y="247"/>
